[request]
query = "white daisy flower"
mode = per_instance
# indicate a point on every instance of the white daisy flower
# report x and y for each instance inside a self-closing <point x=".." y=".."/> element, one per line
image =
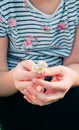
<point x="40" y="67"/>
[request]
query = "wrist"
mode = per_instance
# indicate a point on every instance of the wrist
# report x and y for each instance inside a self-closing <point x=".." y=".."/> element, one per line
<point x="7" y="86"/>
<point x="75" y="68"/>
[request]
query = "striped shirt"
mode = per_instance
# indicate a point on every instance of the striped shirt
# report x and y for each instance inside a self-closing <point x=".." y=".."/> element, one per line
<point x="35" y="35"/>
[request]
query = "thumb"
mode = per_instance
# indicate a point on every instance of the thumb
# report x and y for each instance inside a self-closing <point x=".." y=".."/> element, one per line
<point x="53" y="71"/>
<point x="27" y="64"/>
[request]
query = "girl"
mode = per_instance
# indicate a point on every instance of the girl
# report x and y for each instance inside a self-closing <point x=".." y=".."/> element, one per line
<point x="30" y="31"/>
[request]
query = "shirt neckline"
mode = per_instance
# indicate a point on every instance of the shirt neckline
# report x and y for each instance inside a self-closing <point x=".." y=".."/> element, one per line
<point x="42" y="13"/>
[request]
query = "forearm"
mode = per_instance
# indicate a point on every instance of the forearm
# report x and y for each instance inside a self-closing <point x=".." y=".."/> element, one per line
<point x="7" y="86"/>
<point x="75" y="67"/>
<point x="73" y="60"/>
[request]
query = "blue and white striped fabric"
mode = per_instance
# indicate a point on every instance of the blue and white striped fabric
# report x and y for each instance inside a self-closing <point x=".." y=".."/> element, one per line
<point x="36" y="35"/>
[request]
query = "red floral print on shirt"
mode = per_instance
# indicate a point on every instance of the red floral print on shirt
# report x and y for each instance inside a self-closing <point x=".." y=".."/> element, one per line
<point x="62" y="26"/>
<point x="1" y="20"/>
<point x="12" y="22"/>
<point x="31" y="40"/>
<point x="46" y="28"/>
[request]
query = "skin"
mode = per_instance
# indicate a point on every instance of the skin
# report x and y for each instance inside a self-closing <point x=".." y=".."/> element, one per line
<point x="22" y="79"/>
<point x="66" y="77"/>
<point x="46" y="6"/>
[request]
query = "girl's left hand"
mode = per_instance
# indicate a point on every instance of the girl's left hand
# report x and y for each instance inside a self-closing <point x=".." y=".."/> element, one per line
<point x="64" y="79"/>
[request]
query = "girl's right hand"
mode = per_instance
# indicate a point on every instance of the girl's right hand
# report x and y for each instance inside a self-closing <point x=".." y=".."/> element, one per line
<point x="23" y="75"/>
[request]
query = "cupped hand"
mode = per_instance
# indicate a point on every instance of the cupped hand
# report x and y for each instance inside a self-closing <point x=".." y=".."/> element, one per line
<point x="23" y="75"/>
<point x="64" y="79"/>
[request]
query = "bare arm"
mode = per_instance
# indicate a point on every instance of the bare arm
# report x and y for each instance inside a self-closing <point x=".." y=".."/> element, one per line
<point x="73" y="60"/>
<point x="17" y="79"/>
<point x="6" y="79"/>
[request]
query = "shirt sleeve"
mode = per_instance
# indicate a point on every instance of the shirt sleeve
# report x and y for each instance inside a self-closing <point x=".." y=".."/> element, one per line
<point x="3" y="31"/>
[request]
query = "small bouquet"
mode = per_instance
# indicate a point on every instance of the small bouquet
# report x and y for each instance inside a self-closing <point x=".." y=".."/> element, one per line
<point x="40" y="67"/>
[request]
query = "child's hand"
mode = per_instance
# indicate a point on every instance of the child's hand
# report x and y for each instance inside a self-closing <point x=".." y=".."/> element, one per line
<point x="65" y="79"/>
<point x="23" y="75"/>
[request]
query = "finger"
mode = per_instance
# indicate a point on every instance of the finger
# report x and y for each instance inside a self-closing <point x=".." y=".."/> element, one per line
<point x="32" y="99"/>
<point x="52" y="71"/>
<point x="46" y="98"/>
<point x="42" y="83"/>
<point x="27" y="64"/>
<point x="23" y="85"/>
<point x="27" y="98"/>
<point x="50" y="97"/>
<point x="58" y="86"/>
<point x="24" y="75"/>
